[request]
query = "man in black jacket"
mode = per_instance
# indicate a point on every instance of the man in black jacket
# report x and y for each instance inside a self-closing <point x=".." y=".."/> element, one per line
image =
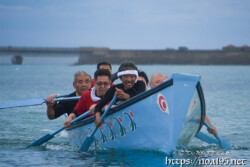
<point x="130" y="87"/>
<point x="81" y="84"/>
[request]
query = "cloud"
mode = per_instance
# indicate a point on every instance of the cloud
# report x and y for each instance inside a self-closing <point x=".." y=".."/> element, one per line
<point x="120" y="24"/>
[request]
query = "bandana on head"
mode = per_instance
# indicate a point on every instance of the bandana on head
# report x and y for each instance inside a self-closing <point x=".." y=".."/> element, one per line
<point x="127" y="72"/>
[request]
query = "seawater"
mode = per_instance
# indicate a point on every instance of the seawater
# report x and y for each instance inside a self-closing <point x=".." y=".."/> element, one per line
<point x="227" y="95"/>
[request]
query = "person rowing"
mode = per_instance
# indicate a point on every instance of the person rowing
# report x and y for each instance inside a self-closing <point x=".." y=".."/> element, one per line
<point x="89" y="99"/>
<point x="81" y="84"/>
<point x="130" y="87"/>
<point x="155" y="80"/>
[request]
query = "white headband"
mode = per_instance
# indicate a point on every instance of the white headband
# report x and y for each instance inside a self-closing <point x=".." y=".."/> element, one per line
<point x="127" y="72"/>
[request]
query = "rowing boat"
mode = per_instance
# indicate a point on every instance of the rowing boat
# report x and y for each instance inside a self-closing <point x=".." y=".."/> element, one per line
<point x="163" y="118"/>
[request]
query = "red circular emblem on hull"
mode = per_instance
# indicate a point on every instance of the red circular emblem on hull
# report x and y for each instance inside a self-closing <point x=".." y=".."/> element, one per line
<point x="162" y="103"/>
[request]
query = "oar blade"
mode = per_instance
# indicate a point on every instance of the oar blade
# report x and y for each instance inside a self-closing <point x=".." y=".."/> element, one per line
<point x="86" y="144"/>
<point x="206" y="138"/>
<point x="49" y="136"/>
<point x="40" y="141"/>
<point x="225" y="145"/>
<point x="21" y="103"/>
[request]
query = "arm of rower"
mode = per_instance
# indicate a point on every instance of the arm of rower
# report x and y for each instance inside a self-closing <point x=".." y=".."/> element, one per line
<point x="120" y="94"/>
<point x="214" y="130"/>
<point x="105" y="99"/>
<point x="50" y="106"/>
<point x="50" y="113"/>
<point x="98" y="122"/>
<point x="71" y="117"/>
<point x="92" y="108"/>
<point x="139" y="87"/>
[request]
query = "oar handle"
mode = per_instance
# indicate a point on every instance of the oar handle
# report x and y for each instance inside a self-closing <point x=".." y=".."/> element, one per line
<point x="75" y="120"/>
<point x="58" y="96"/>
<point x="207" y="125"/>
<point x="210" y="128"/>
<point x="80" y="117"/>
<point x="59" y="130"/>
<point x="105" y="113"/>
<point x="65" y="99"/>
<point x="89" y="139"/>
<point x="110" y="105"/>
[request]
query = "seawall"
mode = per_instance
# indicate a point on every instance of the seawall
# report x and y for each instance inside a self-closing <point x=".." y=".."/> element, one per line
<point x="199" y="57"/>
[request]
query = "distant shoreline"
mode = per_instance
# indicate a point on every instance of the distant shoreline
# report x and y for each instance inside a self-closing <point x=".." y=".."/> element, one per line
<point x="91" y="55"/>
<point x="197" y="57"/>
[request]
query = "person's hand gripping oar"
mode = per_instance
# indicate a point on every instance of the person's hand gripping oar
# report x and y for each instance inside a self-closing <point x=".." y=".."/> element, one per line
<point x="223" y="143"/>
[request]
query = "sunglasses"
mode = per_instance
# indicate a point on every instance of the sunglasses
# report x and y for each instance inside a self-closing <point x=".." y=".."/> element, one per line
<point x="102" y="83"/>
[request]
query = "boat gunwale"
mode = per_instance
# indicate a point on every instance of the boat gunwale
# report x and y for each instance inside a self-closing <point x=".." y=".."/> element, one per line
<point x="203" y="105"/>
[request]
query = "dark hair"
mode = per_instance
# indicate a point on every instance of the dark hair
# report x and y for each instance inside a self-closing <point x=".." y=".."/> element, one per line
<point x="102" y="72"/>
<point x="103" y="63"/>
<point x="127" y="66"/>
<point x="144" y="75"/>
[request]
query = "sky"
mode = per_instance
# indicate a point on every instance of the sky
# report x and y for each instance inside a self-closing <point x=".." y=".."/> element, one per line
<point x="125" y="24"/>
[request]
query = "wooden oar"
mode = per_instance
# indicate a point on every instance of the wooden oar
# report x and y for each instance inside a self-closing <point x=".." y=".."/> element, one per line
<point x="89" y="139"/>
<point x="33" y="102"/>
<point x="224" y="144"/>
<point x="49" y="136"/>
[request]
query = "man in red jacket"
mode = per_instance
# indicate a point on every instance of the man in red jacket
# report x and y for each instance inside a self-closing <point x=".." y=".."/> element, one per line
<point x="89" y="99"/>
